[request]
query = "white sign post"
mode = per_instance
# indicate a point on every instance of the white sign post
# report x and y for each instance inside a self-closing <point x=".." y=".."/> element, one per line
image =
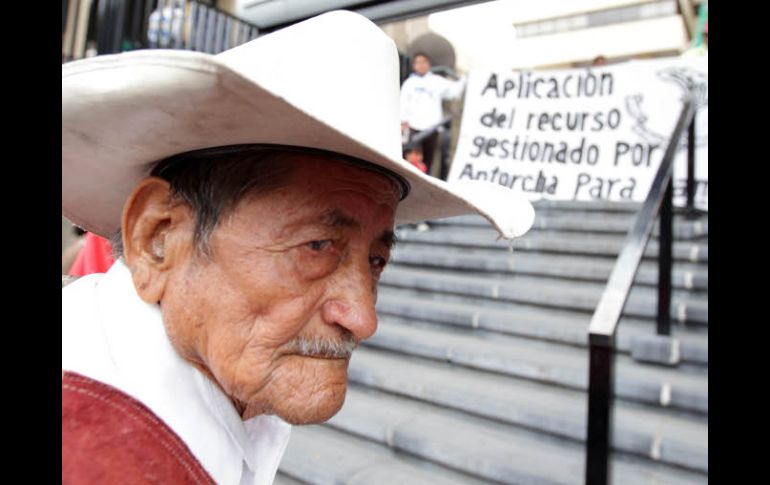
<point x="583" y="134"/>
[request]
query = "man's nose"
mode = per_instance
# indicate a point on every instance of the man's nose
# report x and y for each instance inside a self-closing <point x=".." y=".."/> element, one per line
<point x="352" y="302"/>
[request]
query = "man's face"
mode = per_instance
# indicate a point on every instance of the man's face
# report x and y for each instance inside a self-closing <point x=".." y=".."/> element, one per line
<point x="288" y="291"/>
<point x="421" y="65"/>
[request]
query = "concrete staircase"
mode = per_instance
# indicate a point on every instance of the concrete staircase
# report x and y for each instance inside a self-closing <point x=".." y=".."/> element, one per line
<point x="478" y="372"/>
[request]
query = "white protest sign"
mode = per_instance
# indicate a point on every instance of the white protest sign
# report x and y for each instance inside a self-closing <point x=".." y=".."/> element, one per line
<point x="583" y="134"/>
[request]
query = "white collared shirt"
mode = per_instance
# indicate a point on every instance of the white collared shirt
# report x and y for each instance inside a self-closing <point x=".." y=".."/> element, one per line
<point x="421" y="98"/>
<point x="109" y="334"/>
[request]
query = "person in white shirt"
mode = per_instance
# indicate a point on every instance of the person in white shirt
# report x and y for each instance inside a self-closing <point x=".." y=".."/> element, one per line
<point x="164" y="26"/>
<point x="421" y="103"/>
<point x="251" y="197"/>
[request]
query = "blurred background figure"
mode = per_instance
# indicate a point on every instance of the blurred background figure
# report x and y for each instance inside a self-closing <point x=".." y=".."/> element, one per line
<point x="164" y="29"/>
<point x="415" y="157"/>
<point x="88" y="254"/>
<point x="599" y="61"/>
<point x="421" y="108"/>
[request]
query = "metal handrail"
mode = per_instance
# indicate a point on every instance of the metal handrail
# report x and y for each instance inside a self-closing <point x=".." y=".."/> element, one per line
<point x="601" y="333"/>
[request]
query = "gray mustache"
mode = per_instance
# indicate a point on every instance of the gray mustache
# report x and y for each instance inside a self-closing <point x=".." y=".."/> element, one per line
<point x="335" y="348"/>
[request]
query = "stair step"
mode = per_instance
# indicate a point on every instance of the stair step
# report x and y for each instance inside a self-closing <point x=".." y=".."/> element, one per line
<point x="586" y="221"/>
<point x="589" y="206"/>
<point x="321" y="455"/>
<point x="530" y="321"/>
<point x="283" y="479"/>
<point x="590" y="244"/>
<point x="642" y="302"/>
<point x="557" y="412"/>
<point x="547" y="363"/>
<point x="684" y="275"/>
<point x="600" y="206"/>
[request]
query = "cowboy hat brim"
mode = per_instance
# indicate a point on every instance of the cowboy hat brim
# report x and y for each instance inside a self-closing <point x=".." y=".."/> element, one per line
<point x="122" y="113"/>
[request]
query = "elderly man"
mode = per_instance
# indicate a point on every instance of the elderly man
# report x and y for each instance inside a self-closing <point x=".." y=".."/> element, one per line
<point x="252" y="197"/>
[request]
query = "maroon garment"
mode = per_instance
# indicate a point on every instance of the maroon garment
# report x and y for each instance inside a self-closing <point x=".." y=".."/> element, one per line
<point x="110" y="437"/>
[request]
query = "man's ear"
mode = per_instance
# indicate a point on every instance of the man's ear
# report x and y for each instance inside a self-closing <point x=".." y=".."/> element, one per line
<point x="151" y="245"/>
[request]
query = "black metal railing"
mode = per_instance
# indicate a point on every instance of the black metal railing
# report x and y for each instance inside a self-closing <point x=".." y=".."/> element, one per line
<point x="601" y="333"/>
<point x="198" y="27"/>
<point x="111" y="26"/>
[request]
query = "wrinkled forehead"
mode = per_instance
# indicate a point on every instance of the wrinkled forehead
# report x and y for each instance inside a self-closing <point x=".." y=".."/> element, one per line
<point x="321" y="192"/>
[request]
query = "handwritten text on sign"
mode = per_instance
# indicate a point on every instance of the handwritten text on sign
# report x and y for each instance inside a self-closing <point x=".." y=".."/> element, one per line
<point x="582" y="134"/>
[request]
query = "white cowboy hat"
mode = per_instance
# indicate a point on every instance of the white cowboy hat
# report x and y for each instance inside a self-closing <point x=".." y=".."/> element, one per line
<point x="328" y="83"/>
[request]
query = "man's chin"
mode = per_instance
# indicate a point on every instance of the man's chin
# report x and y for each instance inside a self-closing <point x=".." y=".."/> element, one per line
<point x="318" y="409"/>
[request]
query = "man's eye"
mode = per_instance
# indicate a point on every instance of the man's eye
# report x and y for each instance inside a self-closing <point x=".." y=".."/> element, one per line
<point x="378" y="262"/>
<point x="319" y="245"/>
